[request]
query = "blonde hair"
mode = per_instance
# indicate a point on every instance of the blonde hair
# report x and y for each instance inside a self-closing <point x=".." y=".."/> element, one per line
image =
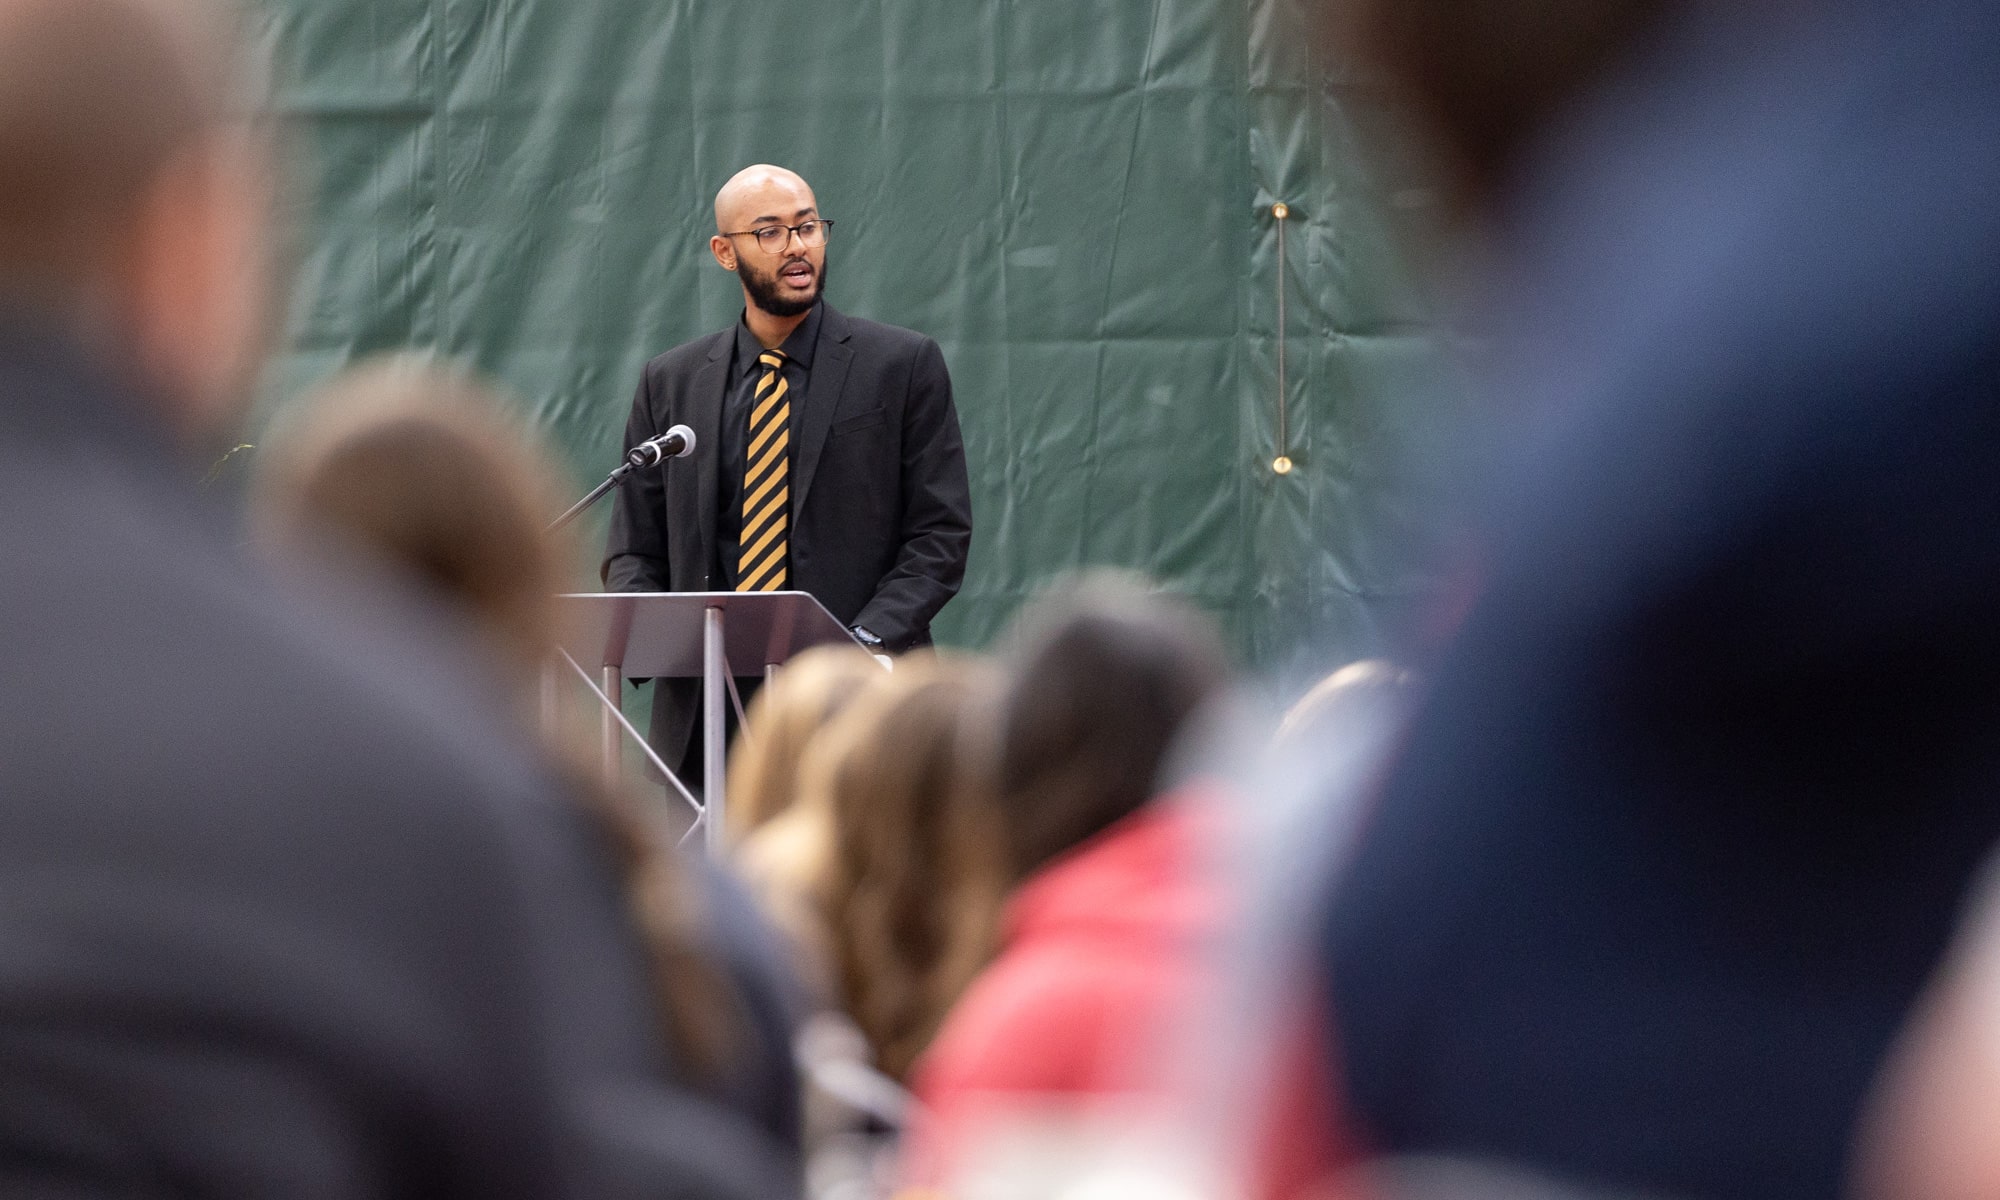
<point x="417" y="466"/>
<point x="782" y="720"/>
<point x="912" y="880"/>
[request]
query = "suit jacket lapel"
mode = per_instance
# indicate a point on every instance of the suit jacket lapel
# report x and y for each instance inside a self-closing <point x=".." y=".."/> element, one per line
<point x="706" y="392"/>
<point x="829" y="374"/>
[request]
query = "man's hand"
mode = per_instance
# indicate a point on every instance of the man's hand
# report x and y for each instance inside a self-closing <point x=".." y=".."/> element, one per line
<point x="873" y="645"/>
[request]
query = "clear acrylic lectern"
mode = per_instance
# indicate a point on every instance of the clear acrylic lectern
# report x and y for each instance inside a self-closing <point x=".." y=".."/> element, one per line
<point x="710" y="636"/>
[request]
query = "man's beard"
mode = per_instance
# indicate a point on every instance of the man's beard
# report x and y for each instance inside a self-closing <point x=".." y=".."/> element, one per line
<point x="764" y="292"/>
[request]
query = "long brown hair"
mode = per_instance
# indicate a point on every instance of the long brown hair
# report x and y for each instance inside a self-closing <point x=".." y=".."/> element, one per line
<point x="418" y="467"/>
<point x="912" y="880"/>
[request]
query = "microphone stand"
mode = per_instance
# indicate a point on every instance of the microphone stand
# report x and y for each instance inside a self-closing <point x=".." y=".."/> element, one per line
<point x="677" y="442"/>
<point x="595" y="494"/>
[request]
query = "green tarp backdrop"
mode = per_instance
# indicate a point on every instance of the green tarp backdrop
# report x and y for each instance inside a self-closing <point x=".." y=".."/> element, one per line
<point x="1073" y="198"/>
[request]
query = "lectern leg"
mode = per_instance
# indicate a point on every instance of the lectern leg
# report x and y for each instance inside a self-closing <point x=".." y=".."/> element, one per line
<point x="614" y="762"/>
<point x="714" y="694"/>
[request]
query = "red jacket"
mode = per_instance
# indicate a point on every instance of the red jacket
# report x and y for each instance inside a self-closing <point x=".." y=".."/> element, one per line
<point x="1101" y="948"/>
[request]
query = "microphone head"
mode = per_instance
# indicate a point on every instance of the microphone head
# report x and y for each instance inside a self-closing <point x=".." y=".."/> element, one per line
<point x="677" y="442"/>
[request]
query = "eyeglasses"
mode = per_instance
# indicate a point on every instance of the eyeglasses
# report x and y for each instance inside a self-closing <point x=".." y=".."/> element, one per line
<point x="773" y="239"/>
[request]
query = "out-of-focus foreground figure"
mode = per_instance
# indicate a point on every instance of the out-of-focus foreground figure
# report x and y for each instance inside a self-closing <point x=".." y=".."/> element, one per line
<point x="784" y="837"/>
<point x="405" y="466"/>
<point x="1107" y="914"/>
<point x="1686" y="819"/>
<point x="784" y="718"/>
<point x="415" y="468"/>
<point x="283" y="911"/>
<point x="882" y="872"/>
<point x="879" y="871"/>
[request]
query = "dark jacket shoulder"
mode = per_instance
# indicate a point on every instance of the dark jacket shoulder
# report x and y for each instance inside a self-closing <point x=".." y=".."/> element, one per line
<point x="688" y="357"/>
<point x="891" y="340"/>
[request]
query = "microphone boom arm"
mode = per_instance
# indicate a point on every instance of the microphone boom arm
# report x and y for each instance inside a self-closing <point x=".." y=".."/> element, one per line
<point x="651" y="453"/>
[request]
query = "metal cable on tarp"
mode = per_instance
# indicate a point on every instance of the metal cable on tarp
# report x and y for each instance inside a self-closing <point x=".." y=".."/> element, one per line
<point x="1282" y="464"/>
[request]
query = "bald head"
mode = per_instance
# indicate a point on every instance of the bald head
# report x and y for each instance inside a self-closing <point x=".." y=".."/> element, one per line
<point x="783" y="271"/>
<point x="759" y="192"/>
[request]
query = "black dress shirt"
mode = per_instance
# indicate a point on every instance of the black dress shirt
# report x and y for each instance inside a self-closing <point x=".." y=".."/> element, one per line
<point x="736" y="407"/>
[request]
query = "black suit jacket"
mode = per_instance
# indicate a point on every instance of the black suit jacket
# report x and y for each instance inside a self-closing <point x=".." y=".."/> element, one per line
<point x="881" y="511"/>
<point x="282" y="911"/>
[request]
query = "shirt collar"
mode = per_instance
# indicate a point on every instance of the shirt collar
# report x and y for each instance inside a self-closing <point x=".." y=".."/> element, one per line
<point x="798" y="347"/>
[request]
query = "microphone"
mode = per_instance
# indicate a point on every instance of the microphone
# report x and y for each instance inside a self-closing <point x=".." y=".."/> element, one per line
<point x="677" y="442"/>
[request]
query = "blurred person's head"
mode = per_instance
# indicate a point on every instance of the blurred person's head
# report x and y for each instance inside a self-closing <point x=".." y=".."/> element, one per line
<point x="783" y="718"/>
<point x="420" y="467"/>
<point x="1103" y="676"/>
<point x="912" y="882"/>
<point x="1482" y="80"/>
<point x="135" y="196"/>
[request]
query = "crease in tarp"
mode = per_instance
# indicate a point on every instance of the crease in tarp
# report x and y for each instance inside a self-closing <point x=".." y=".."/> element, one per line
<point x="1092" y="470"/>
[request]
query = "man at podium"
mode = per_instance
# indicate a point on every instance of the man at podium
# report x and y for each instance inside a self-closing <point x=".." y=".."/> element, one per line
<point x="827" y="452"/>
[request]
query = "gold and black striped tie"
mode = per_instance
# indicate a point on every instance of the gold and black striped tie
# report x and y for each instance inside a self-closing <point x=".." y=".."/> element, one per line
<point x="767" y="492"/>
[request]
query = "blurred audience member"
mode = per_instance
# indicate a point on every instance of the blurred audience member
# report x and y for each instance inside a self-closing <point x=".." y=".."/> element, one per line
<point x="876" y="868"/>
<point x="1107" y="913"/>
<point x="285" y="912"/>
<point x="420" y="470"/>
<point x="908" y="883"/>
<point x="1260" y="1089"/>
<point x="783" y="718"/>
<point x="418" y="467"/>
<point x="785" y="860"/>
<point x="1692" y="801"/>
<point x="1481" y="90"/>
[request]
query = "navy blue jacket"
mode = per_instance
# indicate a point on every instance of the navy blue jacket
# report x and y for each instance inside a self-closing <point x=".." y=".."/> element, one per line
<point x="1686" y="822"/>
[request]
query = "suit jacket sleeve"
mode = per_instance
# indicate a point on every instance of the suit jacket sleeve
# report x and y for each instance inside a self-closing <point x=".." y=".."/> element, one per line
<point x="635" y="555"/>
<point x="936" y="511"/>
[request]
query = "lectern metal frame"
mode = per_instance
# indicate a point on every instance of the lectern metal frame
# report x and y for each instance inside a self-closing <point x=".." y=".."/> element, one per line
<point x="656" y="635"/>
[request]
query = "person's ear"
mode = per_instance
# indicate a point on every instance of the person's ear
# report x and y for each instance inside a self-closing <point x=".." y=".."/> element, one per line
<point x="724" y="252"/>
